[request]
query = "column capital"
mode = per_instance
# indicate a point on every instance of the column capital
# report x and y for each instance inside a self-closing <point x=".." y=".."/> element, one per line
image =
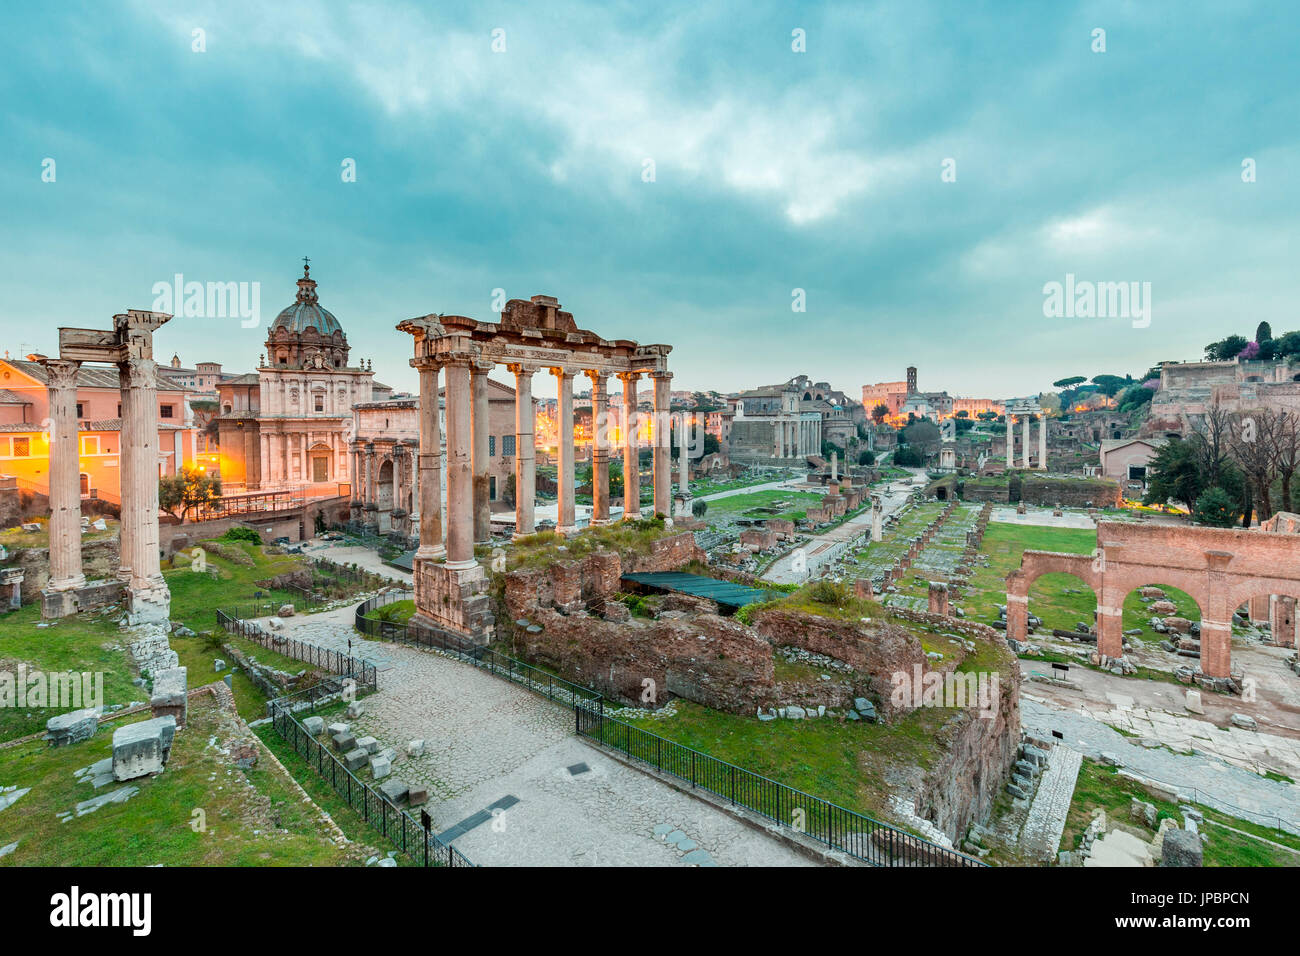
<point x="138" y="373"/>
<point x="481" y="366"/>
<point x="522" y="370"/>
<point x="426" y="363"/>
<point x="661" y="375"/>
<point x="62" y="372"/>
<point x="627" y="377"/>
<point x="598" y="377"/>
<point x="561" y="371"/>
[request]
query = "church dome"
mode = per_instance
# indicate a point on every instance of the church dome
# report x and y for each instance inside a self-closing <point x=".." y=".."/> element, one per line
<point x="306" y="312"/>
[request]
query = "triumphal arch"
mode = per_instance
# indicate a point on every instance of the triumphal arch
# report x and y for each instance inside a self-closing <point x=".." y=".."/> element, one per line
<point x="533" y="336"/>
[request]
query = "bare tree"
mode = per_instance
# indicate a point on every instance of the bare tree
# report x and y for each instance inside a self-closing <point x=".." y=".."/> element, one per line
<point x="1288" y="452"/>
<point x="1212" y="431"/>
<point x="1253" y="441"/>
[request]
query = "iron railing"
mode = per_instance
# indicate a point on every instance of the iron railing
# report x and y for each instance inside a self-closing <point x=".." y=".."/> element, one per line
<point x="335" y="662"/>
<point x="396" y="825"/>
<point x="855" y="834"/>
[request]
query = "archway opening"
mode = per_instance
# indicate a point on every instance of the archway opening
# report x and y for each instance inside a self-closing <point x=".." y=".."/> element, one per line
<point x="1157" y="613"/>
<point x="1270" y="618"/>
<point x="1062" y="601"/>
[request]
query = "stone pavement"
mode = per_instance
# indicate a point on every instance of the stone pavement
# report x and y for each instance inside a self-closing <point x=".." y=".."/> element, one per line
<point x="1208" y="780"/>
<point x="487" y="740"/>
<point x="1040" y="838"/>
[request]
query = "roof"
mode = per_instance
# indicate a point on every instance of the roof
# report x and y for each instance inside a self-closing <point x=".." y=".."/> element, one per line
<point x="12" y="398"/>
<point x="88" y="376"/>
<point x="724" y="592"/>
<point x="1110" y="444"/>
<point x="248" y="378"/>
<point x="306" y="311"/>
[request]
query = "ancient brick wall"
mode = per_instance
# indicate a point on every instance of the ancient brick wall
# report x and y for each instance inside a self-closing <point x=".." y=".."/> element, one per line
<point x="1071" y="493"/>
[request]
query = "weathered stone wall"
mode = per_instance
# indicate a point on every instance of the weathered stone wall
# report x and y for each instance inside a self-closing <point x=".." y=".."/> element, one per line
<point x="99" y="560"/>
<point x="877" y="650"/>
<point x="1071" y="493"/>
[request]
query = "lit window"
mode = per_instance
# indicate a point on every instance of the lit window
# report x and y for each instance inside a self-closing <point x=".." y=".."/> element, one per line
<point x="22" y="447"/>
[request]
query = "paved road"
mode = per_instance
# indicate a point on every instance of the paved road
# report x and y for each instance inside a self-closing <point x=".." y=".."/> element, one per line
<point x="783" y="570"/>
<point x="1225" y="785"/>
<point x="490" y="743"/>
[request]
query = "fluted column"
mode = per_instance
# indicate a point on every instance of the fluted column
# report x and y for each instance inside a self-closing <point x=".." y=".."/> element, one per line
<point x="481" y="428"/>
<point x="1027" y="417"/>
<point x="566" y="522"/>
<point x="631" y="462"/>
<point x="1011" y="441"/>
<point x="372" y="477"/>
<point x="683" y="440"/>
<point x="1042" y="442"/>
<point x="460" y="478"/>
<point x="65" y="477"/>
<point x="139" y="441"/>
<point x="525" y="452"/>
<point x="662" y="447"/>
<point x="430" y="484"/>
<point x="599" y="447"/>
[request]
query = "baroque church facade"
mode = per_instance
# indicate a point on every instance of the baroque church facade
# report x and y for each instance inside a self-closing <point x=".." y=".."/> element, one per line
<point x="288" y="425"/>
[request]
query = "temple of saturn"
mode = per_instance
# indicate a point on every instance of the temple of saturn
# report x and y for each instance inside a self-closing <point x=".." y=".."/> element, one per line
<point x="129" y="346"/>
<point x="532" y="336"/>
<point x="1025" y="411"/>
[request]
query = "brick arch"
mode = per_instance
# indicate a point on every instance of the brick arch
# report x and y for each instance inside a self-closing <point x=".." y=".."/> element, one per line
<point x="1219" y="568"/>
<point x="1033" y="565"/>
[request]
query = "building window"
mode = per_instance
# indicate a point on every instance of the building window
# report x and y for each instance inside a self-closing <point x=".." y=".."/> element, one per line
<point x="165" y="411"/>
<point x="22" y="447"/>
<point x="81" y="412"/>
<point x="507" y="444"/>
<point x="492" y="446"/>
<point x="1137" y="473"/>
<point x="90" y="445"/>
<point x="492" y="487"/>
<point x="318" y="402"/>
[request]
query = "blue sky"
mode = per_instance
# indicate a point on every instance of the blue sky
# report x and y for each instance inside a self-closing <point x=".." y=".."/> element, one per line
<point x="774" y="170"/>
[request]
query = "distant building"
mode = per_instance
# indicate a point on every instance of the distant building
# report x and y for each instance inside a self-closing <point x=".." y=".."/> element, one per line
<point x="203" y="379"/>
<point x="24" y="440"/>
<point x="284" y="426"/>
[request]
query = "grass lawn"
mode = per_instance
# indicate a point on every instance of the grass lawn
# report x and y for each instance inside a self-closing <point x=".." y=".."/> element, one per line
<point x="253" y="817"/>
<point x="399" y="612"/>
<point x="1101" y="786"/>
<point x="762" y="505"/>
<point x="845" y="763"/>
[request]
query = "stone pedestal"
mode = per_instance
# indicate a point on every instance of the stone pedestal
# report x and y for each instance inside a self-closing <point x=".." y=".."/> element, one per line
<point x="454" y="599"/>
<point x="683" y="504"/>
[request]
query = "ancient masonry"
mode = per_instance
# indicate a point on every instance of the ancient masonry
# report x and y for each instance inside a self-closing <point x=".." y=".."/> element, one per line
<point x="129" y="346"/>
<point x="1221" y="569"/>
<point x="1025" y="412"/>
<point x="531" y="336"/>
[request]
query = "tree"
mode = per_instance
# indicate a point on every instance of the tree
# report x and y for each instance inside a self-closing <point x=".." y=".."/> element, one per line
<point x="987" y="416"/>
<point x="1225" y="350"/>
<point x="1263" y="333"/>
<point x="1287" y="438"/>
<point x="1050" y="402"/>
<point x="922" y="433"/>
<point x="1109" y="385"/>
<point x="699" y="507"/>
<point x="1215" y="508"/>
<point x="1174" y="474"/>
<point x="1253" y="440"/>
<point x="187" y="490"/>
<point x="1069" y="382"/>
<point x="880" y="412"/>
<point x="867" y="457"/>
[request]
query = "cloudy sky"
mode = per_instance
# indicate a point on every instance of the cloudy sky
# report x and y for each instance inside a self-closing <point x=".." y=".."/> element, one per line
<point x="508" y="147"/>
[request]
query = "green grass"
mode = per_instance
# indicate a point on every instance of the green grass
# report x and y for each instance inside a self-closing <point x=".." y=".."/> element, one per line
<point x="762" y="504"/>
<point x="845" y="763"/>
<point x="253" y="818"/>
<point x="16" y="538"/>
<point x="1101" y="786"/>
<point x="399" y="612"/>
<point x="542" y="549"/>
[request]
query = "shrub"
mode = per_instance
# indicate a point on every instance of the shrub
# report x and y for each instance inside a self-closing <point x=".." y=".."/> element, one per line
<point x="242" y="534"/>
<point x="1215" y="508"/>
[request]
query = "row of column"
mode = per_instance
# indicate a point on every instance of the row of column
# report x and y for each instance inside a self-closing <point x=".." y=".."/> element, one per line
<point x="1011" y="441"/>
<point x="468" y="514"/>
<point x="796" y="438"/>
<point x="278" y="450"/>
<point x="138" y="565"/>
<point x="365" y="463"/>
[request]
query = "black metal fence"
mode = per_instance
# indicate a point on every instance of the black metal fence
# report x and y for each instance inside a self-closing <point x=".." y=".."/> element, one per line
<point x="861" y="837"/>
<point x="838" y="828"/>
<point x="334" y="662"/>
<point x="527" y="675"/>
<point x="395" y="824"/>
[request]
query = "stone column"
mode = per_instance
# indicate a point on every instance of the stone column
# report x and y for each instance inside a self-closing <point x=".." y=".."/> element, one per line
<point x="662" y="447"/>
<point x="372" y="477"/>
<point x="683" y="456"/>
<point x="599" y="447"/>
<point x="525" y="452"/>
<point x="631" y="462"/>
<point x="460" y="478"/>
<point x="1011" y="441"/>
<point x="430" y="484"/>
<point x="65" y="477"/>
<point x="481" y="427"/>
<point x="565" y="523"/>
<point x="147" y="600"/>
<point x="263" y="464"/>
<point x="1042" y="442"/>
<point x="1027" y="417"/>
<point x="354" y="472"/>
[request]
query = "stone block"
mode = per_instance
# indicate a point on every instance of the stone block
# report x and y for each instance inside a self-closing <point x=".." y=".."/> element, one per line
<point x="1194" y="704"/>
<point x="344" y="742"/>
<point x="380" y="767"/>
<point x="314" y="725"/>
<point x="1181" y="848"/>
<point x="170" y="697"/>
<point x="143" y="748"/>
<point x="415" y="748"/>
<point x="417" y="795"/>
<point x="355" y="709"/>
<point x="355" y="759"/>
<point x="337" y="728"/>
<point x="72" y="727"/>
<point x="369" y="744"/>
<point x="394" y="790"/>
